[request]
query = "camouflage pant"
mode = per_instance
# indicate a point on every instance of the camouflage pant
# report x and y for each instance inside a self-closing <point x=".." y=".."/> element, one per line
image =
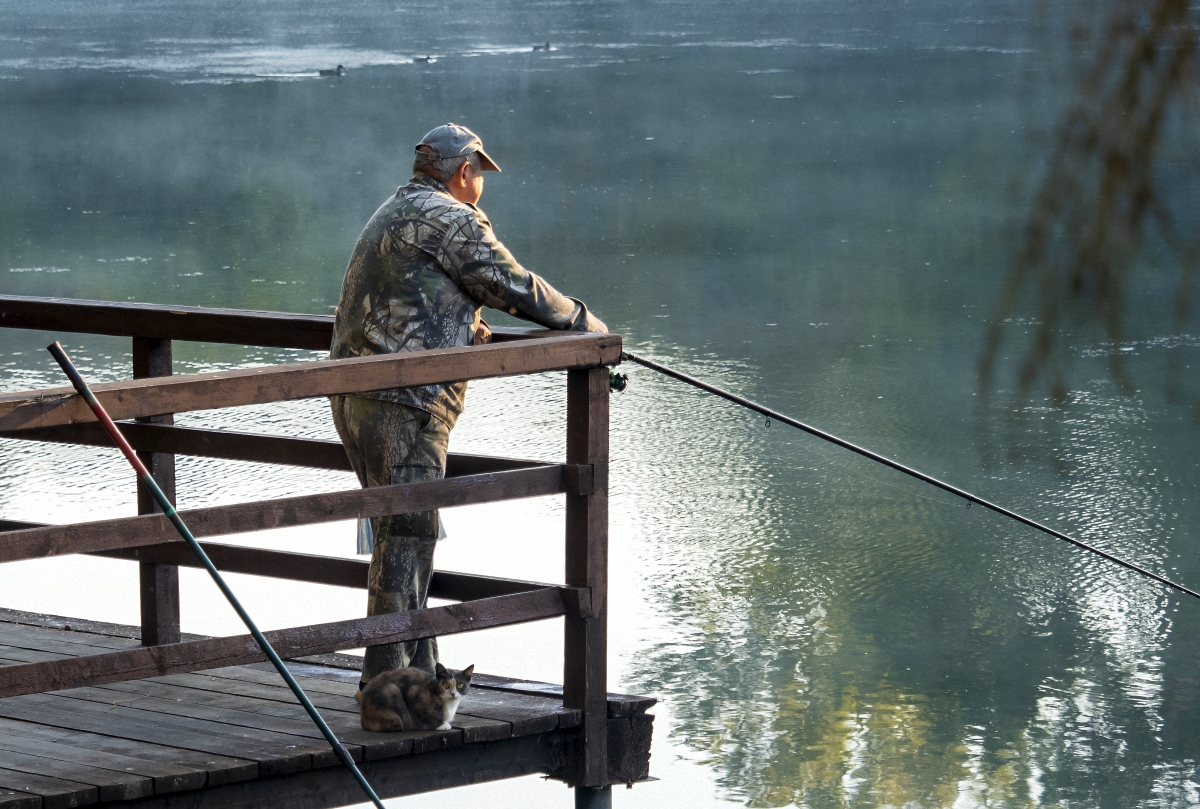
<point x="393" y="443"/>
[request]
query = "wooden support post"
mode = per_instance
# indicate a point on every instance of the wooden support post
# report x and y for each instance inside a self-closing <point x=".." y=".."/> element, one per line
<point x="159" y="583"/>
<point x="585" y="665"/>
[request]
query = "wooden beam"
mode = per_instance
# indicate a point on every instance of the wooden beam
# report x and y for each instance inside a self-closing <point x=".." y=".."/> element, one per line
<point x="244" y="327"/>
<point x="158" y="584"/>
<point x="402" y="498"/>
<point x="183" y="393"/>
<point x="165" y="322"/>
<point x="328" y="570"/>
<point x="585" y="646"/>
<point x="177" y="658"/>
<point x="239" y="446"/>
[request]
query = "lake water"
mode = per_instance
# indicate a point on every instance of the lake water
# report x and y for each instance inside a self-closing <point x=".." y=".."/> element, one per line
<point x="813" y="204"/>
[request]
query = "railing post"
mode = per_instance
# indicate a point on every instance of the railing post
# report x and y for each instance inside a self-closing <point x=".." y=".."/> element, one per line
<point x="585" y="648"/>
<point x="159" y="583"/>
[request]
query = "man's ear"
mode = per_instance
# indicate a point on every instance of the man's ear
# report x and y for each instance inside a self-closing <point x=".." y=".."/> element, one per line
<point x="460" y="176"/>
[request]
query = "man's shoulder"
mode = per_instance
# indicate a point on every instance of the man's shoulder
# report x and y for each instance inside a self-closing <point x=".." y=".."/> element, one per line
<point x="429" y="201"/>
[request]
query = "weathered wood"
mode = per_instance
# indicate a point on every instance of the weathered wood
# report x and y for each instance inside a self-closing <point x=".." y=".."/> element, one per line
<point x="618" y="704"/>
<point x="395" y="777"/>
<point x="163" y="765"/>
<point x="183" y="393"/>
<point x="275" y="753"/>
<point x="19" y="800"/>
<point x="205" y="324"/>
<point x="151" y="661"/>
<point x="266" y="692"/>
<point x="55" y="793"/>
<point x="528" y="715"/>
<point x="15" y="649"/>
<point x="222" y="713"/>
<point x="158" y="584"/>
<point x="629" y="748"/>
<point x="112" y="785"/>
<point x="238" y="446"/>
<point x="585" y="648"/>
<point x="252" y="697"/>
<point x="130" y="532"/>
<point x="330" y="570"/>
<point x="240" y="326"/>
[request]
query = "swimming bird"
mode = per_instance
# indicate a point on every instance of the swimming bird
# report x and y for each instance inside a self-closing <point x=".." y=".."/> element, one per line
<point x="545" y="47"/>
<point x="422" y="60"/>
<point x="340" y="70"/>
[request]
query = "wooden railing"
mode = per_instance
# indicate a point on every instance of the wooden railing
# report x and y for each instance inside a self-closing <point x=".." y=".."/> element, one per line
<point x="146" y="405"/>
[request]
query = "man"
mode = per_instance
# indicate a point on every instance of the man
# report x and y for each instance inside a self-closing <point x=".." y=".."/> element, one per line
<point x="424" y="266"/>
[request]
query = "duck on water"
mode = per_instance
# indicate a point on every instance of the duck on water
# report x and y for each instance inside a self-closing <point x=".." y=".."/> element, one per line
<point x="338" y="72"/>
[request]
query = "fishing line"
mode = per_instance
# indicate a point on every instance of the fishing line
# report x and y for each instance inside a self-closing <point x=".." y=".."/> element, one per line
<point x="971" y="499"/>
<point x="81" y="387"/>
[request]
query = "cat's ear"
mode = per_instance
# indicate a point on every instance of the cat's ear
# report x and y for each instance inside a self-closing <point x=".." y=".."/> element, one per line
<point x="441" y="671"/>
<point x="469" y="670"/>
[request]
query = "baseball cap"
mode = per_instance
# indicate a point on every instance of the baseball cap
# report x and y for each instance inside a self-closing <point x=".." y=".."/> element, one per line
<point x="452" y="140"/>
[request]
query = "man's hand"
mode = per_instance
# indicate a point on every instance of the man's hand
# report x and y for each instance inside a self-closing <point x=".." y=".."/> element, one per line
<point x="483" y="334"/>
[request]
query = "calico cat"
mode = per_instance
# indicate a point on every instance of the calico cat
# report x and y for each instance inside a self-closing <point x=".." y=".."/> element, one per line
<point x="409" y="699"/>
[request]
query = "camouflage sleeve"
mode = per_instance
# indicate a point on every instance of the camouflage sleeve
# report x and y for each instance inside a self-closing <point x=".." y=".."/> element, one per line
<point x="484" y="269"/>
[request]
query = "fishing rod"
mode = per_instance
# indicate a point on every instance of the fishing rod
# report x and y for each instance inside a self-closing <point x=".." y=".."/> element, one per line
<point x="56" y="350"/>
<point x="619" y="384"/>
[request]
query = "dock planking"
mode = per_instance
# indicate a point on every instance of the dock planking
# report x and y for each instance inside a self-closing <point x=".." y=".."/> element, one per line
<point x="136" y="740"/>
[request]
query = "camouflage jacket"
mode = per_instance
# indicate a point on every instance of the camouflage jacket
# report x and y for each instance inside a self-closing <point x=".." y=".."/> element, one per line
<point x="423" y="268"/>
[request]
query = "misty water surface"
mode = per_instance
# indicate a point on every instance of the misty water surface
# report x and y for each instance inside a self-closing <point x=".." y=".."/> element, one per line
<point x="812" y="204"/>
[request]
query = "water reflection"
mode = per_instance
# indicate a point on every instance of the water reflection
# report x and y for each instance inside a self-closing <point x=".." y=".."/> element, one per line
<point x="802" y="204"/>
<point x="1112" y="189"/>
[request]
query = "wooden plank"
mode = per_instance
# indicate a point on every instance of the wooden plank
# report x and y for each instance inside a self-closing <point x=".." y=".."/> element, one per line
<point x="215" y="769"/>
<point x="239" y="446"/>
<point x="132" y="664"/>
<point x="528" y="715"/>
<point x="218" y="711"/>
<point x="57" y="622"/>
<point x="477" y="729"/>
<point x="585" y="639"/>
<point x="240" y="326"/>
<point x="165" y="690"/>
<point x="204" y="324"/>
<point x="182" y="393"/>
<point x="329" y="570"/>
<point x="525" y="714"/>
<point x="150" y="529"/>
<point x="274" y="753"/>
<point x="74" y="644"/>
<point x="255" y="712"/>
<point x="19" y="800"/>
<point x="618" y="704"/>
<point x="55" y="793"/>
<point x="260" y="743"/>
<point x="114" y="754"/>
<point x="112" y="785"/>
<point x="407" y="775"/>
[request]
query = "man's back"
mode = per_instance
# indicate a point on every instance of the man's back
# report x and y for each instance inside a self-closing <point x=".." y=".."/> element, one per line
<point x="423" y="267"/>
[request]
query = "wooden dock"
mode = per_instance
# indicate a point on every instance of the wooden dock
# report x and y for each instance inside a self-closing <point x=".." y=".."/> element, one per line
<point x="146" y="716"/>
<point x="237" y="737"/>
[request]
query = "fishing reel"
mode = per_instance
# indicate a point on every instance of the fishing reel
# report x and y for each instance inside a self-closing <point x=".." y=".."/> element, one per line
<point x="617" y="382"/>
